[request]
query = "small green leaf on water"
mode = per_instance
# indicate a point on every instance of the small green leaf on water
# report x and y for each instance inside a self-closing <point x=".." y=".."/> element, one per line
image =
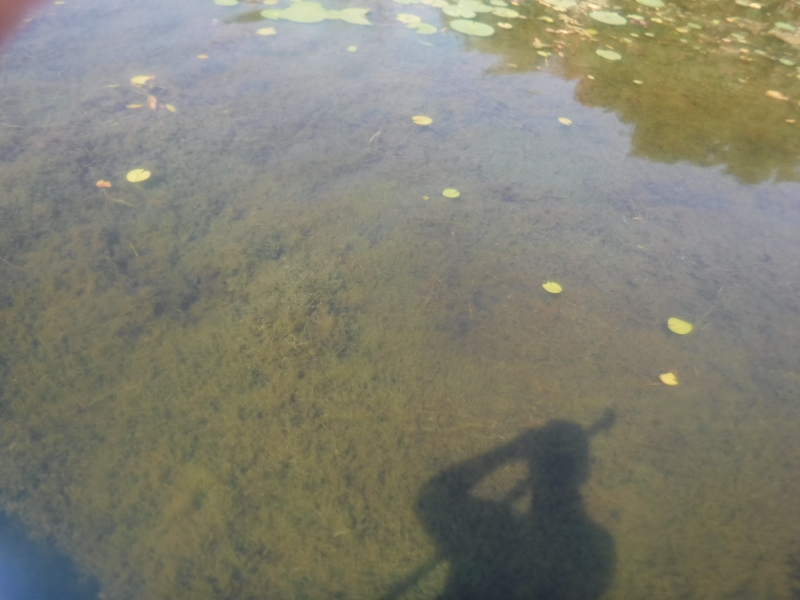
<point x="562" y="3"/>
<point x="271" y="13"/>
<point x="409" y="19"/>
<point x="786" y="61"/>
<point x="505" y="13"/>
<point x="564" y="121"/>
<point x="457" y="11"/>
<point x="785" y="26"/>
<point x="426" y="29"/>
<point x="472" y="27"/>
<point x="354" y="16"/>
<point x="266" y="31"/>
<point x="546" y="19"/>
<point x="304" y="12"/>
<point x="695" y="25"/>
<point x="451" y="193"/>
<point x="544" y="53"/>
<point x="504" y="25"/>
<point x="475" y="5"/>
<point x="421" y="120"/>
<point x="552" y="287"/>
<point x="609" y="54"/>
<point x="608" y="17"/>
<point x="679" y="326"/>
<point x="226" y="2"/>
<point x="651" y="3"/>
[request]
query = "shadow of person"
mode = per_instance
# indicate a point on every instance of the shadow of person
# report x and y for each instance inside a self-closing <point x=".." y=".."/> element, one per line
<point x="551" y="550"/>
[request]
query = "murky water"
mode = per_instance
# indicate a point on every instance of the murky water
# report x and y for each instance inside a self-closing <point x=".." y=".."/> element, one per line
<point x="287" y="366"/>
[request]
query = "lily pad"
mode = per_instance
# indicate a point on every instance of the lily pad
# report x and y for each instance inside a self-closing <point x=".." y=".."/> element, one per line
<point x="451" y="193"/>
<point x="651" y="3"/>
<point x="408" y="19"/>
<point x="678" y="326"/>
<point x="668" y="379"/>
<point x="785" y="26"/>
<point x="472" y="27"/>
<point x="226" y="2"/>
<point x="355" y="16"/>
<point x="475" y="6"/>
<point x="421" y="120"/>
<point x="562" y="3"/>
<point x="608" y="17"/>
<point x="609" y="54"/>
<point x="451" y="10"/>
<point x="137" y="175"/>
<point x="505" y="13"/>
<point x="304" y="12"/>
<point x="271" y="13"/>
<point x="426" y="29"/>
<point x="552" y="287"/>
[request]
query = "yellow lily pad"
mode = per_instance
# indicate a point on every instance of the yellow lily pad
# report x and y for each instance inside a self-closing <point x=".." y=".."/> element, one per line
<point x="678" y="326"/>
<point x="451" y="193"/>
<point x="141" y="80"/>
<point x="170" y="108"/>
<point x="552" y="287"/>
<point x="266" y="31"/>
<point x="421" y="120"/>
<point x="564" y="121"/>
<point x="137" y="175"/>
<point x="668" y="379"/>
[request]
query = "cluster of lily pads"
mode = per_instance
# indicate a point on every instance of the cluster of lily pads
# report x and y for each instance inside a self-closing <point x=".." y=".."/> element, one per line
<point x="464" y="13"/>
<point x="314" y="12"/>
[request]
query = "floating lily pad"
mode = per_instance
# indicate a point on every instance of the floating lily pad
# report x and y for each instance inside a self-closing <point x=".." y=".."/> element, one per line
<point x="226" y="2"/>
<point x="678" y="326"/>
<point x="137" y="175"/>
<point x="505" y="13"/>
<point x="552" y="287"/>
<point x="608" y="17"/>
<point x="651" y="3"/>
<point x="426" y="29"/>
<point x="668" y="379"/>
<point x="271" y="13"/>
<point x="408" y="19"/>
<point x="785" y="26"/>
<point x="609" y="54"/>
<point x="564" y="121"/>
<point x="451" y="10"/>
<point x="355" y="16"/>
<point x="141" y="80"/>
<point x="304" y="12"/>
<point x="266" y="31"/>
<point x="475" y="6"/>
<point x="786" y="61"/>
<point x="562" y="3"/>
<point x="451" y="193"/>
<point x="421" y="120"/>
<point x="472" y="27"/>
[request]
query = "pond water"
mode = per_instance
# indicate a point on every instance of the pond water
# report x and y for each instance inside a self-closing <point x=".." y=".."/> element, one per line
<point x="287" y="366"/>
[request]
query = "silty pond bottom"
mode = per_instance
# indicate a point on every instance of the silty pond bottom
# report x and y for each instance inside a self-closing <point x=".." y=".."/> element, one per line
<point x="287" y="365"/>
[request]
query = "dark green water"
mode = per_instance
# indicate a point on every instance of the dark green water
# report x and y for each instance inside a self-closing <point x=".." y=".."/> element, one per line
<point x="287" y="366"/>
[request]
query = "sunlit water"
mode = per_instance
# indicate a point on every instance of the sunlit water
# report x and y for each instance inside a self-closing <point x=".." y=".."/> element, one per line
<point x="286" y="366"/>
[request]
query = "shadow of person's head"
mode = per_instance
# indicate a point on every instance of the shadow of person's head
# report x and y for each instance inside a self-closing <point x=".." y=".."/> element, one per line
<point x="552" y="551"/>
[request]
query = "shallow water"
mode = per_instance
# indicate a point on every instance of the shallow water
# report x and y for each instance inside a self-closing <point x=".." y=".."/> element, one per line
<point x="286" y="366"/>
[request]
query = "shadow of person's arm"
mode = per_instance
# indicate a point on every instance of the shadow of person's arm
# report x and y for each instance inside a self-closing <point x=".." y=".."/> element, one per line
<point x="444" y="498"/>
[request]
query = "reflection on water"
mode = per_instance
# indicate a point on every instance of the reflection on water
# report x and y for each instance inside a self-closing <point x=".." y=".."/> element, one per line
<point x="242" y="377"/>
